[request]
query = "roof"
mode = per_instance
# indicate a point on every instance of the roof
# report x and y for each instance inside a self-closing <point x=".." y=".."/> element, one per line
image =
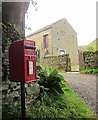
<point x="47" y="27"/>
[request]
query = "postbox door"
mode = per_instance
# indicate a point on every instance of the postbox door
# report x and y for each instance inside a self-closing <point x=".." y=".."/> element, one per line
<point x="30" y="69"/>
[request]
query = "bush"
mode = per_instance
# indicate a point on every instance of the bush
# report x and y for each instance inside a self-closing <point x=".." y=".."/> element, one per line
<point x="52" y="80"/>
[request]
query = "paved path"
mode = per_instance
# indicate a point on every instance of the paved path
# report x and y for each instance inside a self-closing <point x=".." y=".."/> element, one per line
<point x="84" y="85"/>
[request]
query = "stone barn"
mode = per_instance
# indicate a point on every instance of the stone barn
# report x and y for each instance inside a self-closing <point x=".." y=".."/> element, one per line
<point x="56" y="39"/>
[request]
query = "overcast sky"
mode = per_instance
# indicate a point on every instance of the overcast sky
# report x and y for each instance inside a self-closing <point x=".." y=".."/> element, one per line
<point x="81" y="14"/>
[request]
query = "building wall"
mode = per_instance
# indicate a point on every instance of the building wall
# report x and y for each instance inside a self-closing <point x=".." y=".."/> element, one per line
<point x="60" y="36"/>
<point x="64" y="37"/>
<point x="38" y="38"/>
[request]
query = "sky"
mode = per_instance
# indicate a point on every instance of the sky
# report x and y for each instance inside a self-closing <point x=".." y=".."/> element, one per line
<point x="81" y="15"/>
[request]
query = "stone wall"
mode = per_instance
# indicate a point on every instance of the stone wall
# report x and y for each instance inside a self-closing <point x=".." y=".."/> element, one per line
<point x="62" y="62"/>
<point x="11" y="92"/>
<point x="88" y="60"/>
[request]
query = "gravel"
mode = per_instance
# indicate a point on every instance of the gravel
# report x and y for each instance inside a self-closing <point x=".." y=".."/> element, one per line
<point x="85" y="86"/>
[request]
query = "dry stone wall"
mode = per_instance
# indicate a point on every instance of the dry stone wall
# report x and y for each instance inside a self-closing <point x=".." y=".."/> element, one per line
<point x="11" y="92"/>
<point x="88" y="60"/>
<point x="62" y="62"/>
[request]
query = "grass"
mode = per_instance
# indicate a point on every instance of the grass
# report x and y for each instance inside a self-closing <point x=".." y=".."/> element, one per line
<point x="67" y="105"/>
<point x="90" y="47"/>
<point x="77" y="107"/>
<point x="89" y="71"/>
<point x="93" y="45"/>
<point x="61" y="71"/>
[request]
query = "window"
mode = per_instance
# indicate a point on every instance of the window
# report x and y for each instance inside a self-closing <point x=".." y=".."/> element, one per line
<point x="45" y="41"/>
<point x="61" y="52"/>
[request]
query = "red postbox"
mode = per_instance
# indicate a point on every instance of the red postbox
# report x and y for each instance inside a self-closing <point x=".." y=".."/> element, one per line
<point x="22" y="61"/>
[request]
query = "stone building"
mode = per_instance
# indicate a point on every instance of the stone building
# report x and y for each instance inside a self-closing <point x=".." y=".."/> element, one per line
<point x="56" y="39"/>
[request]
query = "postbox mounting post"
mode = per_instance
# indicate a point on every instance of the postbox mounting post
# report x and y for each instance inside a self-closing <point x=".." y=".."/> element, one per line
<point x="23" y="115"/>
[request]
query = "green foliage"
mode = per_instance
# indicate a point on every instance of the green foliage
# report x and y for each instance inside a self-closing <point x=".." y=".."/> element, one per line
<point x="67" y="106"/>
<point x="90" y="47"/>
<point x="61" y="71"/>
<point x="47" y="107"/>
<point x="52" y="80"/>
<point x="11" y="112"/>
<point x="90" y="71"/>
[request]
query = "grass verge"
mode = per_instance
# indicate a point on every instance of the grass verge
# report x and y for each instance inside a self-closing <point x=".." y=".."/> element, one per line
<point x="89" y="71"/>
<point x="67" y="105"/>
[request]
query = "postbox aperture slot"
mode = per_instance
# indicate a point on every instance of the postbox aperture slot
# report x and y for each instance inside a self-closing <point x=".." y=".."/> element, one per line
<point x="30" y="47"/>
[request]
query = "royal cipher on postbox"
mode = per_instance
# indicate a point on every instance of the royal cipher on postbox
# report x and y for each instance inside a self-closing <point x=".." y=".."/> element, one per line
<point x="22" y="61"/>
